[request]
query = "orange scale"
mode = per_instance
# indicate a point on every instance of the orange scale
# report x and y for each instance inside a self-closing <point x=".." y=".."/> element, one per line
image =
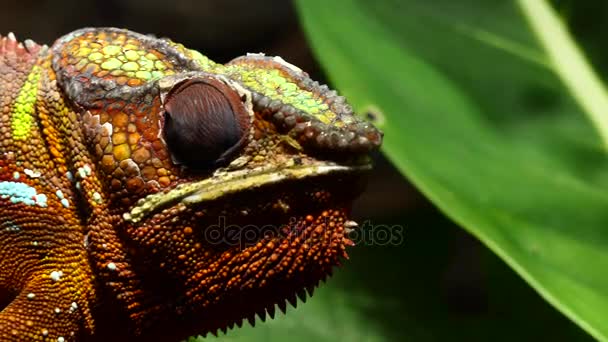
<point x="121" y="152"/>
<point x="81" y="65"/>
<point x="64" y="60"/>
<point x="133" y="138"/>
<point x="141" y="155"/>
<point x="94" y="69"/>
<point x="135" y="184"/>
<point x="104" y="117"/>
<point x="118" y="137"/>
<point x="157" y="145"/>
<point x="103" y="74"/>
<point x="135" y="82"/>
<point x="148" y="172"/>
<point x="117" y="72"/>
<point x="122" y="80"/>
<point x="108" y="163"/>
<point x="162" y="154"/>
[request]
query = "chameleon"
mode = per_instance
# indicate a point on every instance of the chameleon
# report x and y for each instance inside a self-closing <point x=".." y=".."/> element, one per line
<point x="150" y="193"/>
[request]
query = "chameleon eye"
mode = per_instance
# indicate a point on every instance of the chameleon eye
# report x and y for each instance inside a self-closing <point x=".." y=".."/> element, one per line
<point x="205" y="122"/>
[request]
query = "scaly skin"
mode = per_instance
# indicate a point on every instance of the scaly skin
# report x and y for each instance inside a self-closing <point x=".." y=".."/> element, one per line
<point x="148" y="191"/>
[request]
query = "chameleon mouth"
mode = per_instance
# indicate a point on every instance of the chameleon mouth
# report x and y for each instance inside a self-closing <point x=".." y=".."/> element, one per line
<point x="225" y="182"/>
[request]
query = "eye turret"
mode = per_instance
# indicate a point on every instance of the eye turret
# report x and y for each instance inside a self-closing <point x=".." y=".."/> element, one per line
<point x="205" y="122"/>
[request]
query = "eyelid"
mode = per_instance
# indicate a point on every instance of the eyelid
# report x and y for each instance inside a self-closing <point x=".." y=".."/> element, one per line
<point x="205" y="122"/>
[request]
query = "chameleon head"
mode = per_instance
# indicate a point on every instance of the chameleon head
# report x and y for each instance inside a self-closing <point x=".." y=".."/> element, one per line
<point x="262" y="213"/>
<point x="238" y="178"/>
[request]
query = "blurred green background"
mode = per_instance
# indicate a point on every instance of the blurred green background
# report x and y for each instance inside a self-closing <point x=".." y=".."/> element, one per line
<point x="438" y="282"/>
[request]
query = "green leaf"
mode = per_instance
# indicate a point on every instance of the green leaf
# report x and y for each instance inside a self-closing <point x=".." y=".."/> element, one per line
<point x="476" y="117"/>
<point x="569" y="62"/>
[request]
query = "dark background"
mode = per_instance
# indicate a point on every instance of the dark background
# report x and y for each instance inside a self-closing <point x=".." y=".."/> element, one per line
<point x="439" y="282"/>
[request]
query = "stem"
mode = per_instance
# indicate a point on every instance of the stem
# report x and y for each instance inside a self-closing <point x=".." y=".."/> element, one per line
<point x="569" y="63"/>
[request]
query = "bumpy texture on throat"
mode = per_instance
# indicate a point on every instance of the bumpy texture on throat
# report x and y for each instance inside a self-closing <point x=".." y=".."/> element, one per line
<point x="146" y="190"/>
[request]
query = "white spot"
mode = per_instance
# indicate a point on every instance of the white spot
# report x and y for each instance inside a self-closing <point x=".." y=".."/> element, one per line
<point x="56" y="275"/>
<point x="105" y="246"/>
<point x="73" y="307"/>
<point x="96" y="197"/>
<point x="239" y="162"/>
<point x="84" y="171"/>
<point x="12" y="227"/>
<point x="40" y="200"/>
<point x="111" y="266"/>
<point x="16" y="175"/>
<point x="351" y="224"/>
<point x="35" y="243"/>
<point x="81" y="173"/>
<point x="11" y="36"/>
<point x="65" y="202"/>
<point x="57" y="311"/>
<point x="60" y="339"/>
<point x="108" y="126"/>
<point x="45" y="332"/>
<point x="285" y="64"/>
<point x="85" y="241"/>
<point x="132" y="166"/>
<point x="252" y="54"/>
<point x="32" y="174"/>
<point x="59" y="194"/>
<point x="69" y="176"/>
<point x="30" y="296"/>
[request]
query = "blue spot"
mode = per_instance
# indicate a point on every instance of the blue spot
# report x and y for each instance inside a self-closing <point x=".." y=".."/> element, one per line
<point x="21" y="193"/>
<point x="41" y="200"/>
